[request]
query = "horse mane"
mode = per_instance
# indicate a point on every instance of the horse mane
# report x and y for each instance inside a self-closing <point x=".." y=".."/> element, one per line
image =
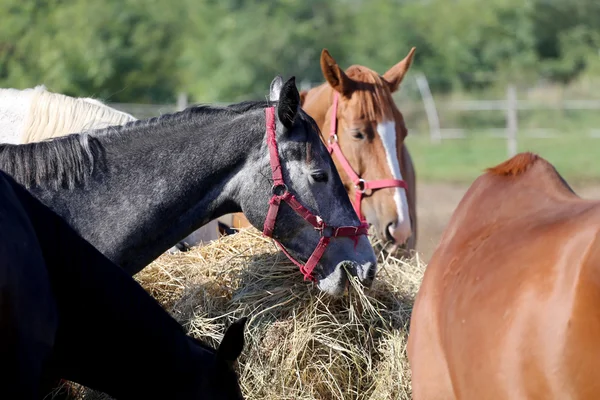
<point x="522" y="162"/>
<point x="63" y="162"/>
<point x="245" y="106"/>
<point x="373" y="97"/>
<point x="54" y="114"/>
<point x="69" y="160"/>
<point x="514" y="166"/>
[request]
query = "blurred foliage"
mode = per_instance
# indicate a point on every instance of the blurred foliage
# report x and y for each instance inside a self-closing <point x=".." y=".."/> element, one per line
<point x="229" y="50"/>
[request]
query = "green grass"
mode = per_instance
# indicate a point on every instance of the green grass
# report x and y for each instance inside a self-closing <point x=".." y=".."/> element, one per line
<point x="576" y="157"/>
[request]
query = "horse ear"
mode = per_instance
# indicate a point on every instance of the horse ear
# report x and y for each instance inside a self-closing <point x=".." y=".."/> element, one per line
<point x="275" y="88"/>
<point x="289" y="103"/>
<point x="233" y="342"/>
<point x="395" y="75"/>
<point x="334" y="75"/>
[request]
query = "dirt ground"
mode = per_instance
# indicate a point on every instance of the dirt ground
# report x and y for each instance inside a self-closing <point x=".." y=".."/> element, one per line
<point x="436" y="203"/>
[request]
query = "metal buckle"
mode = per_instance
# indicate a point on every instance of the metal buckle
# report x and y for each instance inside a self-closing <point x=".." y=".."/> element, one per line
<point x="279" y="190"/>
<point x="326" y="231"/>
<point x="332" y="138"/>
<point x="361" y="186"/>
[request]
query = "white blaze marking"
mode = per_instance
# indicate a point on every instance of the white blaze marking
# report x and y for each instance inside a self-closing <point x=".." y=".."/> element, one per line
<point x="387" y="132"/>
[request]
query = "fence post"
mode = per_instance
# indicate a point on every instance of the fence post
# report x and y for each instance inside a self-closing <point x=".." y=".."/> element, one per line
<point x="430" y="109"/>
<point x="182" y="101"/>
<point x="511" y="120"/>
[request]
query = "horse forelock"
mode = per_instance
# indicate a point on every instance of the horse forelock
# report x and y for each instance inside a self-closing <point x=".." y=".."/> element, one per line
<point x="371" y="97"/>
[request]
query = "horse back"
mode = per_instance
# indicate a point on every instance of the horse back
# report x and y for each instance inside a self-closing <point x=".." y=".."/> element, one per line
<point x="508" y="304"/>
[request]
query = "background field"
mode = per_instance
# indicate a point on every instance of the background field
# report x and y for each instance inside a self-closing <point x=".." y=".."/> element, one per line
<point x="576" y="157"/>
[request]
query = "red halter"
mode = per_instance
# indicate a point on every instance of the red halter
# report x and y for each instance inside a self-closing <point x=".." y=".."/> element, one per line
<point x="281" y="193"/>
<point x="360" y="185"/>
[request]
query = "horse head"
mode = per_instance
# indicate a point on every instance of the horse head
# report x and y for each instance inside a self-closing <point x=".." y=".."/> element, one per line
<point x="304" y="204"/>
<point x="365" y="132"/>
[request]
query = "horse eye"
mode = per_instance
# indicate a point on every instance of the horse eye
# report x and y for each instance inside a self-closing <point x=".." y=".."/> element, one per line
<point x="358" y="135"/>
<point x="320" y="176"/>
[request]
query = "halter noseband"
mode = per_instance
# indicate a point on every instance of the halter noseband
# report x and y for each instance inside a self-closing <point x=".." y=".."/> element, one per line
<point x="360" y="185"/>
<point x="281" y="193"/>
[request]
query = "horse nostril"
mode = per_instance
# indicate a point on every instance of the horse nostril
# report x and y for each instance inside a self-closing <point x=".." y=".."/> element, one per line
<point x="183" y="246"/>
<point x="389" y="231"/>
<point x="370" y="270"/>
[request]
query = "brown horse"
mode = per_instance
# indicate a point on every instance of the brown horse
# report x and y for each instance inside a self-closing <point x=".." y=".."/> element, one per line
<point x="365" y="131"/>
<point x="509" y="307"/>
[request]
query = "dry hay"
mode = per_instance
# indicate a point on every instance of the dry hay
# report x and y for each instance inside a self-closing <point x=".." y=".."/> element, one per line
<point x="300" y="343"/>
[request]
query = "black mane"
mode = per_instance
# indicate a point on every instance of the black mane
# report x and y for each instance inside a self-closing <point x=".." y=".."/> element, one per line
<point x="69" y="160"/>
<point x="62" y="162"/>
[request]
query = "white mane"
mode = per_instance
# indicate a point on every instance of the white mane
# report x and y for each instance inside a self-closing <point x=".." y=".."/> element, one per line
<point x="54" y="114"/>
<point x="35" y="114"/>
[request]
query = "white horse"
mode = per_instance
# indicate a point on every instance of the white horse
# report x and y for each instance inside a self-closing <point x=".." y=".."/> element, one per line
<point x="32" y="115"/>
<point x="35" y="114"/>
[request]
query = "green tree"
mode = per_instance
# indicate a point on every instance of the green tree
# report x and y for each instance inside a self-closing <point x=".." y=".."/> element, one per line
<point x="122" y="50"/>
<point x="229" y="50"/>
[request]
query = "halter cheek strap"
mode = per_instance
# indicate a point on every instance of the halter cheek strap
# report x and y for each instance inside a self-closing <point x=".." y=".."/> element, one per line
<point x="360" y="185"/>
<point x="281" y="193"/>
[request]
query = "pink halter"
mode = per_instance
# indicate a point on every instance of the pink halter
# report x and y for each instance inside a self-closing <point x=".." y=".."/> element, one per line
<point x="360" y="185"/>
<point x="281" y="193"/>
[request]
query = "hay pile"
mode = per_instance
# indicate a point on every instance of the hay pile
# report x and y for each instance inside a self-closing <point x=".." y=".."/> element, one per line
<point x="300" y="343"/>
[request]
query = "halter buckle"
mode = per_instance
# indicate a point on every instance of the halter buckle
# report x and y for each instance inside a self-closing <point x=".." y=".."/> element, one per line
<point x="325" y="231"/>
<point x="361" y="186"/>
<point x="279" y="189"/>
<point x="332" y="139"/>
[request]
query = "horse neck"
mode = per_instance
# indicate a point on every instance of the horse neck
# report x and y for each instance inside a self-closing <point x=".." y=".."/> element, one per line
<point x="112" y="334"/>
<point x="165" y="180"/>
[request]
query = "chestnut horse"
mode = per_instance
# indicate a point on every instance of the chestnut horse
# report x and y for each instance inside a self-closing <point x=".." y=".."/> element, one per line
<point x="379" y="175"/>
<point x="509" y="304"/>
<point x="365" y="133"/>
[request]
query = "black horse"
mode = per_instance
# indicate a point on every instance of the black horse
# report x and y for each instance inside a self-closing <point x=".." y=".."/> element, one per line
<point x="67" y="312"/>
